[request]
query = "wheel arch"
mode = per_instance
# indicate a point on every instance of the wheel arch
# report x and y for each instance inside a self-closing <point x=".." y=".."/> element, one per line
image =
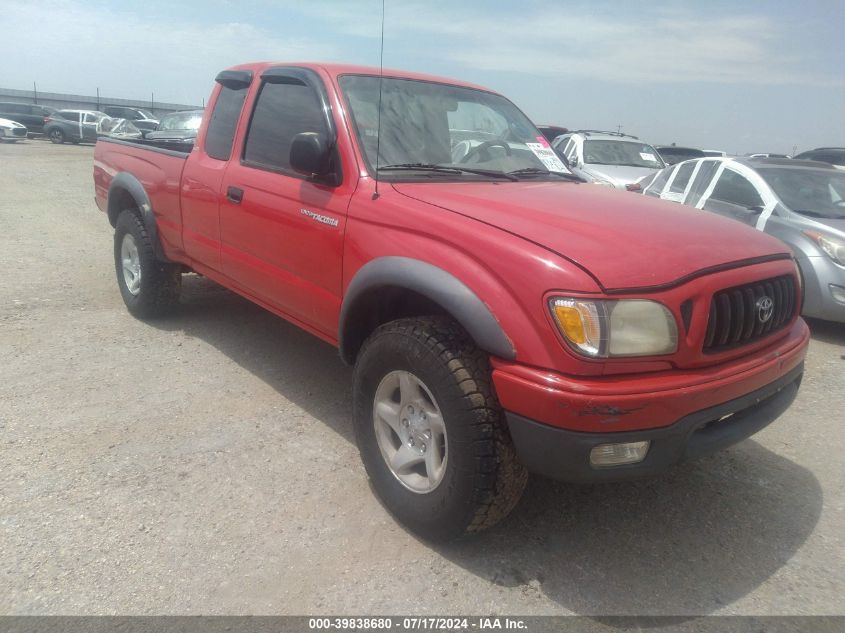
<point x="388" y="288"/>
<point x="127" y="192"/>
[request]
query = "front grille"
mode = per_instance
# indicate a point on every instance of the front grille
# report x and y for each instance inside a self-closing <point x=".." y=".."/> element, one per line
<point x="737" y="315"/>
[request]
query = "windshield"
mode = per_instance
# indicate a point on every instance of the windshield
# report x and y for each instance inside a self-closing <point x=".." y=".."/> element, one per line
<point x="627" y="153"/>
<point x="181" y="121"/>
<point x="427" y="124"/>
<point x="145" y="114"/>
<point x="811" y="192"/>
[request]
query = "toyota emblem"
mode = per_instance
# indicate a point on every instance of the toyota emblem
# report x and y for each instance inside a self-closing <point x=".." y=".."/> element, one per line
<point x="765" y="309"/>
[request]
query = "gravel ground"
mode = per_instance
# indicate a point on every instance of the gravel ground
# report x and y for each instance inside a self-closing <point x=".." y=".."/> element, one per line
<point x="205" y="464"/>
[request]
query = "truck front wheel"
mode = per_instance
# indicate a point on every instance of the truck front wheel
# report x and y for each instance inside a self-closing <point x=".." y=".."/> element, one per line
<point x="149" y="288"/>
<point x="430" y="430"/>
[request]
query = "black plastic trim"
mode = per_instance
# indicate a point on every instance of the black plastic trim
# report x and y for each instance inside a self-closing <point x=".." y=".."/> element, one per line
<point x="565" y="455"/>
<point x="129" y="183"/>
<point x="234" y="79"/>
<point x="437" y="285"/>
<point x="700" y="273"/>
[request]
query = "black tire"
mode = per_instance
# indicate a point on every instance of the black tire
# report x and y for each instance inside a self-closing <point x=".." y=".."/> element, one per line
<point x="484" y="479"/>
<point x="160" y="283"/>
<point x="56" y="136"/>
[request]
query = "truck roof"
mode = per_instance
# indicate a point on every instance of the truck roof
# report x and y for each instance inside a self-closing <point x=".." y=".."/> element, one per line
<point x="335" y="70"/>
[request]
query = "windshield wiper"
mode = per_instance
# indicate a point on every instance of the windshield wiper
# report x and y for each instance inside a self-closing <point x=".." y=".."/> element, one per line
<point x="536" y="171"/>
<point x="447" y="169"/>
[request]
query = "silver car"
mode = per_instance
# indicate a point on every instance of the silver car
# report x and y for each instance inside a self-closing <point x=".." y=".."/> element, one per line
<point x="608" y="158"/>
<point x="799" y="202"/>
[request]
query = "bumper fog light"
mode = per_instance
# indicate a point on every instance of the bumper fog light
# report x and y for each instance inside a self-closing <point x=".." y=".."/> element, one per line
<point x="618" y="454"/>
<point x="838" y="293"/>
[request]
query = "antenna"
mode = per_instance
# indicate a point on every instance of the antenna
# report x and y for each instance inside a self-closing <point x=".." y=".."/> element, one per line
<point x="380" y="81"/>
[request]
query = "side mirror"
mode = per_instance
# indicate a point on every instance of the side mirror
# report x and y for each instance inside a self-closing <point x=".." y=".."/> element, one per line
<point x="310" y="155"/>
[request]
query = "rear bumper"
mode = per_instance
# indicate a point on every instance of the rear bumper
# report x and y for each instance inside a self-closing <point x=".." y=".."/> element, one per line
<point x="563" y="454"/>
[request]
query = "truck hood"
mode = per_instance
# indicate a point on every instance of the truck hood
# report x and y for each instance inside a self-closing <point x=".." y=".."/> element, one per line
<point x="625" y="240"/>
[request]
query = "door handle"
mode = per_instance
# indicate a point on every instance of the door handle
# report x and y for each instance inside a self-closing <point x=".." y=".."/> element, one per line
<point x="234" y="194"/>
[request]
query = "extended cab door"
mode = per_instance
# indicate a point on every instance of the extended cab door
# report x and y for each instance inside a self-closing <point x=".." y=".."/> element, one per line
<point x="202" y="177"/>
<point x="282" y="232"/>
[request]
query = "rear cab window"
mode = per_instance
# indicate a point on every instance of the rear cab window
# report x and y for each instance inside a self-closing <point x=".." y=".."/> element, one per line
<point x="224" y="121"/>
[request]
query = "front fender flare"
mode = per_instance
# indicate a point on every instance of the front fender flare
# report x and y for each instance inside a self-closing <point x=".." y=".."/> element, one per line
<point x="433" y="283"/>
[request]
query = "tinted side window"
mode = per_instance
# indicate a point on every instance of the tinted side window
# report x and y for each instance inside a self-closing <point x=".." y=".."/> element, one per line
<point x="282" y="111"/>
<point x="702" y="179"/>
<point x="735" y="189"/>
<point x="224" y="122"/>
<point x="679" y="184"/>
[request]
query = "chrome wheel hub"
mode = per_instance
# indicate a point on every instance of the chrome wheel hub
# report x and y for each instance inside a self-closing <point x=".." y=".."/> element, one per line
<point x="410" y="431"/>
<point x="131" y="264"/>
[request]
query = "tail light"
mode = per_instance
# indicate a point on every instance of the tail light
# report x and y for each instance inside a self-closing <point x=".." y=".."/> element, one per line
<point x="634" y="186"/>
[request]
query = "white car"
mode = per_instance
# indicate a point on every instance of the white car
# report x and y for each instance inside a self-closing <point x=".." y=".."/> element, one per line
<point x="11" y="131"/>
<point x="608" y="158"/>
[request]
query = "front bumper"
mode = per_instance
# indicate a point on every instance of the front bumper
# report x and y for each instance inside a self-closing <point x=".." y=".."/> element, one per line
<point x="565" y="455"/>
<point x="12" y="134"/>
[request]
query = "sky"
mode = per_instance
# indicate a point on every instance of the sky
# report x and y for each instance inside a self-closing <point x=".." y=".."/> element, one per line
<point x="750" y="76"/>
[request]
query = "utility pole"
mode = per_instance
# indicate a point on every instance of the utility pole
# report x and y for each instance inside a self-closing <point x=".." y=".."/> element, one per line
<point x="619" y="129"/>
<point x="152" y="100"/>
<point x="34" y="93"/>
<point x="98" y="98"/>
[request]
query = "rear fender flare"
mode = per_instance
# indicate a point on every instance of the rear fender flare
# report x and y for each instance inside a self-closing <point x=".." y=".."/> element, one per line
<point x="124" y="184"/>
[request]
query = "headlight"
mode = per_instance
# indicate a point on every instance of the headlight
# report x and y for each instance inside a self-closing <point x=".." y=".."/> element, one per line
<point x="608" y="328"/>
<point x="834" y="247"/>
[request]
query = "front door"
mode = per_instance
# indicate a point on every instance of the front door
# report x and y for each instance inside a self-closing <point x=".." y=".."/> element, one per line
<point x="282" y="234"/>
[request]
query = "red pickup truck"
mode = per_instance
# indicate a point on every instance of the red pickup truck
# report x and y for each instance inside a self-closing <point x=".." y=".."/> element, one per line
<point x="501" y="316"/>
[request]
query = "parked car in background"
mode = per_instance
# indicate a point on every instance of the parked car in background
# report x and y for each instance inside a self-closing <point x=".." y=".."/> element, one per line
<point x="551" y="132"/>
<point x="672" y="154"/>
<point x="768" y="155"/>
<point x="799" y="202"/>
<point x="141" y="119"/>
<point x="11" y="131"/>
<point x="714" y="152"/>
<point x="177" y="127"/>
<point x="74" y="125"/>
<point x="833" y="155"/>
<point x="31" y="115"/>
<point x="608" y="158"/>
<point x="120" y="128"/>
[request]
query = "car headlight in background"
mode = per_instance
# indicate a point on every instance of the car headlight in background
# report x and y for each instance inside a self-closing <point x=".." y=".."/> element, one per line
<point x="602" y="328"/>
<point x="834" y="247"/>
<point x="604" y="182"/>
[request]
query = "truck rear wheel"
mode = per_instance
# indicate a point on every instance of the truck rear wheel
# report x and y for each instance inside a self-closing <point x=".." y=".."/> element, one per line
<point x="149" y="288"/>
<point x="430" y="430"/>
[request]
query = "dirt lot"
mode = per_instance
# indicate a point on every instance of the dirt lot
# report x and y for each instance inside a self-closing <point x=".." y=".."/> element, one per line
<point x="205" y="464"/>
